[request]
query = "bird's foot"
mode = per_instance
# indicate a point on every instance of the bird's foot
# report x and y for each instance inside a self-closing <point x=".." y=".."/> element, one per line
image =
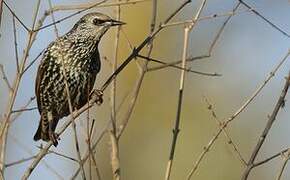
<point x="53" y="137"/>
<point x="99" y="96"/>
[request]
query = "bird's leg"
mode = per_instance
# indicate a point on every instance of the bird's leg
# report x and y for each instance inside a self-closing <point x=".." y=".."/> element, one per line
<point x="98" y="94"/>
<point x="52" y="135"/>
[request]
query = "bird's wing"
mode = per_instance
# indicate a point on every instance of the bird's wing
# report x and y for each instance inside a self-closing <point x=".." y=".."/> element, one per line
<point x="43" y="67"/>
<point x="40" y="74"/>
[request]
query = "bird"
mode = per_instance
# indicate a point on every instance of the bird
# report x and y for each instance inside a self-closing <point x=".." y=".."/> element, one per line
<point x="73" y="58"/>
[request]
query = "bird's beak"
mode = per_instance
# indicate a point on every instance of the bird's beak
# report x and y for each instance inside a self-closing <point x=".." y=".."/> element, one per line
<point x="116" y="23"/>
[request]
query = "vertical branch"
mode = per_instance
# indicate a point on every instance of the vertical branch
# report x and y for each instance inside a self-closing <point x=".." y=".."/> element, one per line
<point x="15" y="44"/>
<point x="114" y="67"/>
<point x="176" y="129"/>
<point x="6" y="121"/>
<point x="1" y="11"/>
<point x="144" y="67"/>
<point x="179" y="104"/>
<point x="89" y="131"/>
<point x="115" y="160"/>
<point x="285" y="157"/>
<point x="280" y="103"/>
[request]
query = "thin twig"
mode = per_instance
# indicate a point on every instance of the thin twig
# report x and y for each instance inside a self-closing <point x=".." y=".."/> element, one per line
<point x="236" y="114"/>
<point x="32" y="62"/>
<point x="179" y="105"/>
<point x="87" y="5"/>
<point x="1" y="11"/>
<point x="178" y="67"/>
<point x="4" y="76"/>
<point x="280" y="103"/>
<point x="5" y="123"/>
<point x="14" y="15"/>
<point x="115" y="160"/>
<point x="48" y="12"/>
<point x="208" y="17"/>
<point x="91" y="153"/>
<point x="61" y="155"/>
<point x="285" y="157"/>
<point x="210" y="49"/>
<point x="190" y="59"/>
<point x="28" y="150"/>
<point x="226" y="133"/>
<point x="176" y="129"/>
<point x="15" y="43"/>
<point x="24" y="109"/>
<point x="17" y="114"/>
<point x="265" y="19"/>
<point x="270" y="158"/>
<point x="89" y="131"/>
<point x="94" y="146"/>
<point x="19" y="161"/>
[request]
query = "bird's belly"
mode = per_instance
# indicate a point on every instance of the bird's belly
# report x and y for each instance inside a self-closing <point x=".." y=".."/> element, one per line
<point x="80" y="84"/>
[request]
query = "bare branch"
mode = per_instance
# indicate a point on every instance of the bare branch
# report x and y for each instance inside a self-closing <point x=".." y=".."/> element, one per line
<point x="47" y="13"/>
<point x="1" y="11"/>
<point x="15" y="44"/>
<point x="177" y="62"/>
<point x="17" y="114"/>
<point x="5" y="78"/>
<point x="14" y="15"/>
<point x="115" y="160"/>
<point x="285" y="157"/>
<point x="178" y="67"/>
<point x="16" y="83"/>
<point x="25" y="109"/>
<point x="270" y="158"/>
<point x="265" y="19"/>
<point x="238" y="112"/>
<point x="280" y="103"/>
<point x="226" y="133"/>
<point x="88" y="5"/>
<point x="176" y="129"/>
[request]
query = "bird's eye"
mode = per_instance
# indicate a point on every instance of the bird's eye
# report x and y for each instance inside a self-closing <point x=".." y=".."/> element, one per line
<point x="98" y="21"/>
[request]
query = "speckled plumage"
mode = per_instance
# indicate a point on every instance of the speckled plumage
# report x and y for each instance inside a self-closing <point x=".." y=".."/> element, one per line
<point x="78" y="51"/>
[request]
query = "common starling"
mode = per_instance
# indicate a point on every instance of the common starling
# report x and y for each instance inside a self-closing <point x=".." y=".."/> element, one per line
<point x="78" y="52"/>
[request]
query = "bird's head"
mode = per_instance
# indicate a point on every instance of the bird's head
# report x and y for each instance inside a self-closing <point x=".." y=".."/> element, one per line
<point x="95" y="25"/>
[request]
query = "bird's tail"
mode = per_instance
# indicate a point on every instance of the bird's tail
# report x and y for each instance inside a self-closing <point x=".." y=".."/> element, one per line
<point x="42" y="131"/>
<point x="37" y="135"/>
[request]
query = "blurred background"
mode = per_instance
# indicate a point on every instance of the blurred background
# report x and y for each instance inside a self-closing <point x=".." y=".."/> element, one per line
<point x="246" y="52"/>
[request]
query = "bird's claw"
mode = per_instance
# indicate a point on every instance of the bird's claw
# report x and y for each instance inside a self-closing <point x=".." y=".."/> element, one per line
<point x="99" y="96"/>
<point x="54" y="138"/>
